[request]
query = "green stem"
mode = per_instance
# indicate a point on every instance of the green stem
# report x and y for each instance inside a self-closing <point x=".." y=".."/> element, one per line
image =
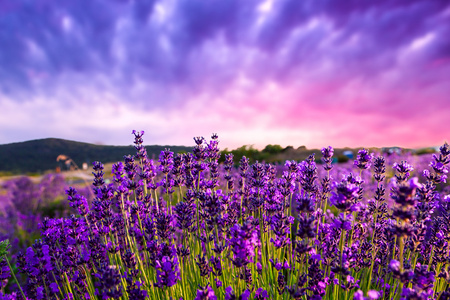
<point x="14" y="276"/>
<point x="401" y="247"/>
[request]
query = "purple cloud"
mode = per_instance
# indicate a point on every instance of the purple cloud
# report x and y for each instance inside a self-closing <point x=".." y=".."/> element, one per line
<point x="270" y="66"/>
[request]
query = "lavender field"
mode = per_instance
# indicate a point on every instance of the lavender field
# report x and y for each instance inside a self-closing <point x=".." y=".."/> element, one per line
<point x="187" y="227"/>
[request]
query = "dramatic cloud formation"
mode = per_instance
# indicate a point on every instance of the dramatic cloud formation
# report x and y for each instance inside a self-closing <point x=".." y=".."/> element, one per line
<point x="313" y="72"/>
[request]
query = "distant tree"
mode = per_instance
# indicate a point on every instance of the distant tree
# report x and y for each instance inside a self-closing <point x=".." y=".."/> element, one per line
<point x="425" y="151"/>
<point x="248" y="151"/>
<point x="273" y="149"/>
<point x="342" y="158"/>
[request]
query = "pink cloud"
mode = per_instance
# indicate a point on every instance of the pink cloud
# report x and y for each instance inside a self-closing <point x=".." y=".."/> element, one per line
<point x="298" y="73"/>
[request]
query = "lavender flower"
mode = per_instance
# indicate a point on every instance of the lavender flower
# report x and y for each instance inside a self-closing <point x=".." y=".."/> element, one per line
<point x="164" y="225"/>
<point x="379" y="168"/>
<point x="98" y="174"/>
<point x="371" y="295"/>
<point x="184" y="215"/>
<point x="229" y="294"/>
<point x="363" y="160"/>
<point x="308" y="175"/>
<point x="327" y="157"/>
<point x="344" y="197"/>
<point x="404" y="193"/>
<point x="166" y="161"/>
<point x="205" y="293"/>
<point x="261" y="294"/>
<point x="140" y="149"/>
<point x="203" y="266"/>
<point x="130" y="166"/>
<point x="228" y="165"/>
<point x="167" y="272"/>
<point x="108" y="284"/>
<point x="280" y="225"/>
<point x="244" y="239"/>
<point x="403" y="171"/>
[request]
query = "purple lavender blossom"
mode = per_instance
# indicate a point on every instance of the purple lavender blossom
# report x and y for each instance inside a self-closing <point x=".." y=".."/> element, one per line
<point x="108" y="284"/>
<point x="98" y="174"/>
<point x="306" y="226"/>
<point x="166" y="161"/>
<point x="363" y="160"/>
<point x="212" y="150"/>
<point x="228" y="165"/>
<point x="199" y="149"/>
<point x="305" y="203"/>
<point x="327" y="157"/>
<point x="205" y="293"/>
<point x="404" y="193"/>
<point x="118" y="172"/>
<point x="403" y="170"/>
<point x="344" y="196"/>
<point x="243" y="241"/>
<point x="307" y="175"/>
<point x="167" y="272"/>
<point x="440" y="169"/>
<point x="342" y="223"/>
<point x="229" y="294"/>
<point x="5" y="272"/>
<point x="216" y="262"/>
<point x="371" y="295"/>
<point x="202" y="263"/>
<point x="280" y="225"/>
<point x="138" y="141"/>
<point x="184" y="215"/>
<point x="261" y="294"/>
<point x="77" y="201"/>
<point x="379" y="168"/>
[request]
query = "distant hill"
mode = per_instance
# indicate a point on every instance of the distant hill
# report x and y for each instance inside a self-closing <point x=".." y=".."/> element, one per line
<point x="38" y="156"/>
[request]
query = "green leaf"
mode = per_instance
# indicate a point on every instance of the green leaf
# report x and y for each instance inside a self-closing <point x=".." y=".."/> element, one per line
<point x="4" y="247"/>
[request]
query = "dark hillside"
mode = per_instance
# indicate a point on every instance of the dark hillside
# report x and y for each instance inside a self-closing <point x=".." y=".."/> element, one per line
<point x="40" y="155"/>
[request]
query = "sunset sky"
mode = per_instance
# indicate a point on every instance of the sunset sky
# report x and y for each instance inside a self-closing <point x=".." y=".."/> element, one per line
<point x="289" y="72"/>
